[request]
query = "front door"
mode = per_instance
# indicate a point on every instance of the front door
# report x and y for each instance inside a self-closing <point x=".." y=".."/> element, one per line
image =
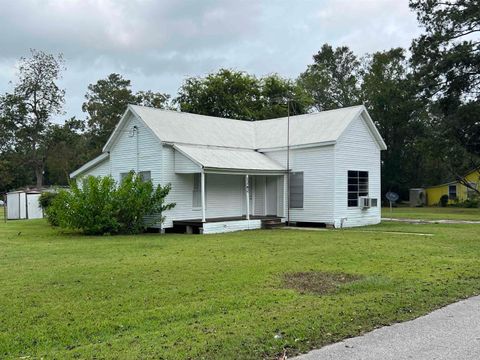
<point x="271" y="196"/>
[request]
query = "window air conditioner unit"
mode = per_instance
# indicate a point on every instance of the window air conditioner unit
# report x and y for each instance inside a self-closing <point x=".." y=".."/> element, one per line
<point x="365" y="202"/>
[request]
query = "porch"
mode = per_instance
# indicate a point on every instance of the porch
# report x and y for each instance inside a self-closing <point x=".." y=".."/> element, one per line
<point x="226" y="224"/>
<point x="232" y="189"/>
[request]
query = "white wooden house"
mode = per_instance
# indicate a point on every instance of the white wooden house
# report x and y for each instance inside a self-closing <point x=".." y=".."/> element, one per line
<point x="229" y="174"/>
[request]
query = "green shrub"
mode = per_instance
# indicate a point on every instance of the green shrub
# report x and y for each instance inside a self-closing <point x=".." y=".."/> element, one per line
<point x="139" y="204"/>
<point x="99" y="206"/>
<point x="472" y="202"/>
<point x="444" y="200"/>
<point x="46" y="199"/>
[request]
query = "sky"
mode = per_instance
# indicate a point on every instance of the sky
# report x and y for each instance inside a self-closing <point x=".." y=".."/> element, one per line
<point x="158" y="43"/>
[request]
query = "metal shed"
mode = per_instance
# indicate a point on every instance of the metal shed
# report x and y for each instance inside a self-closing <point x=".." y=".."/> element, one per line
<point x="23" y="204"/>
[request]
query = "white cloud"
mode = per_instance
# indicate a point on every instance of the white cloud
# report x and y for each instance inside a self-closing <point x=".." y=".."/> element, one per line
<point x="156" y="43"/>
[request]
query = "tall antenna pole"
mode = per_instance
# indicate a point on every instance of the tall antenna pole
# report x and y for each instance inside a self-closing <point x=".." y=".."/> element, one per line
<point x="288" y="161"/>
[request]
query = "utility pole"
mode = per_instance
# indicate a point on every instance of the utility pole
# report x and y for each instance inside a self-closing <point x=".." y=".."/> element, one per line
<point x="288" y="162"/>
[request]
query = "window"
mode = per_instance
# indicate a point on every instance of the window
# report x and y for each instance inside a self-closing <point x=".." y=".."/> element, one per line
<point x="123" y="176"/>
<point x="373" y="202"/>
<point x="197" y="191"/>
<point x="357" y="186"/>
<point x="145" y="175"/>
<point x="452" y="191"/>
<point x="296" y="190"/>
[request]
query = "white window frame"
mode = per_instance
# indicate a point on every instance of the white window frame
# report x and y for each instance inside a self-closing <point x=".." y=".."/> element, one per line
<point x="357" y="188"/>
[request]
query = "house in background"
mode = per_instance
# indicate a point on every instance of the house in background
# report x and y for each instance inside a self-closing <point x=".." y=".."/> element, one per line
<point x="229" y="175"/>
<point x="456" y="191"/>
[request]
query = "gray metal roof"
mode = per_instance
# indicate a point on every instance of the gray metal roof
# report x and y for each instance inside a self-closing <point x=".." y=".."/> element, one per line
<point x="94" y="162"/>
<point x="231" y="145"/>
<point x="178" y="127"/>
<point x="229" y="159"/>
<point x="315" y="128"/>
<point x="321" y="127"/>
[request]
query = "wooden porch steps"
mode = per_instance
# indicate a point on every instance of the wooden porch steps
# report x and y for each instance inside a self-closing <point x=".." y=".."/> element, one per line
<point x="272" y="223"/>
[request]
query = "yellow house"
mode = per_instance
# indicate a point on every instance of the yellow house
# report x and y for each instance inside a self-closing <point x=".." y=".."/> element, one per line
<point x="456" y="191"/>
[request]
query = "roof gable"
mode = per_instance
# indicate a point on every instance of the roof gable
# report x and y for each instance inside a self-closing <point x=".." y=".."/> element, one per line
<point x="185" y="128"/>
<point x="175" y="127"/>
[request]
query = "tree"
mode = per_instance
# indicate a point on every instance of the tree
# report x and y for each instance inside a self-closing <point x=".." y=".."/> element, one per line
<point x="227" y="93"/>
<point x="447" y="63"/>
<point x="153" y="99"/>
<point x="107" y="100"/>
<point x="389" y="92"/>
<point x="276" y="92"/>
<point x="332" y="80"/>
<point x="447" y="56"/>
<point x="238" y="95"/>
<point x="67" y="149"/>
<point x="26" y="113"/>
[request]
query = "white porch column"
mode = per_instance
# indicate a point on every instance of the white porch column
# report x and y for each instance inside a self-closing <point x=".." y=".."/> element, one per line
<point x="247" y="194"/>
<point x="202" y="185"/>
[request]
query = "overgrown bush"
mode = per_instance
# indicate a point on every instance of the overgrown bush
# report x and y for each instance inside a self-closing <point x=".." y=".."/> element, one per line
<point x="46" y="199"/>
<point x="472" y="202"/>
<point x="140" y="204"/>
<point x="444" y="200"/>
<point x="100" y="206"/>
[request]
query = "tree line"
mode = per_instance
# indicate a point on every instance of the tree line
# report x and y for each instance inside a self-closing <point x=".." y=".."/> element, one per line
<point x="424" y="101"/>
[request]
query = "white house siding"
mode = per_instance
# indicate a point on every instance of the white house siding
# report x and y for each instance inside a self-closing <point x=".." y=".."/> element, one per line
<point x="356" y="150"/>
<point x="224" y="193"/>
<point x="101" y="169"/>
<point x="124" y="157"/>
<point x="229" y="226"/>
<point x="185" y="165"/>
<point x="317" y="165"/>
<point x="259" y="195"/>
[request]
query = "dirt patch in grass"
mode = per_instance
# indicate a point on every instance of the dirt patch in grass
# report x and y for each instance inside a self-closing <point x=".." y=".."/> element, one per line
<point x="317" y="282"/>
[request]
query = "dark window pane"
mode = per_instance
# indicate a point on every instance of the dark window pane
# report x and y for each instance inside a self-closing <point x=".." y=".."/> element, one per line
<point x="296" y="190"/>
<point x="145" y="175"/>
<point x="363" y="188"/>
<point x="353" y="187"/>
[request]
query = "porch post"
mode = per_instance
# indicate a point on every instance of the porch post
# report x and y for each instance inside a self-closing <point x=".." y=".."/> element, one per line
<point x="247" y="193"/>
<point x="202" y="185"/>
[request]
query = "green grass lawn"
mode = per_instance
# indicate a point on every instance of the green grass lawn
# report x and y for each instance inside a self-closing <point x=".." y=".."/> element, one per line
<point x="219" y="296"/>
<point x="433" y="213"/>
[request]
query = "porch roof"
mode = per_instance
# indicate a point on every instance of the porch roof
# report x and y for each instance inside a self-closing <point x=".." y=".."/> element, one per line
<point x="230" y="160"/>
